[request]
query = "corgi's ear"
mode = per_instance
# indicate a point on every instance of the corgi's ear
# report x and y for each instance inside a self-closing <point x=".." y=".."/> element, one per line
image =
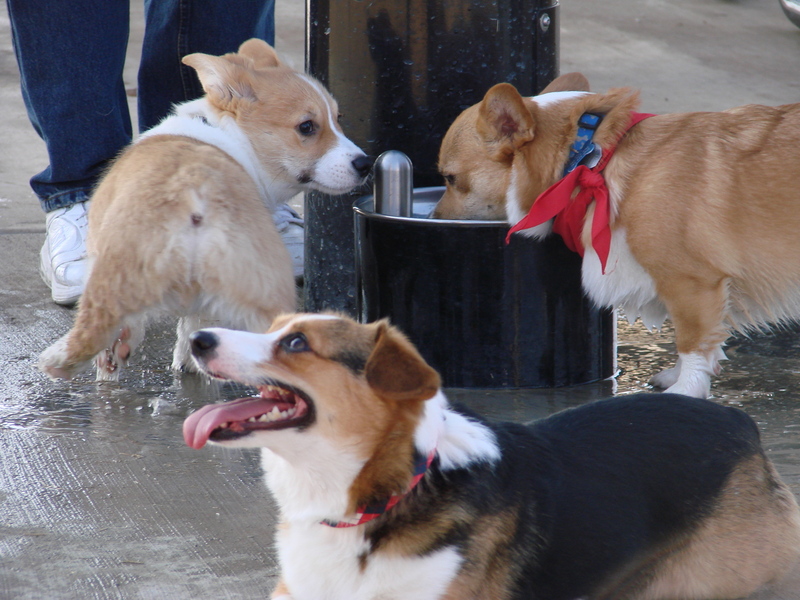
<point x="261" y="53"/>
<point x="396" y="371"/>
<point x="504" y="121"/>
<point x="568" y="82"/>
<point x="223" y="80"/>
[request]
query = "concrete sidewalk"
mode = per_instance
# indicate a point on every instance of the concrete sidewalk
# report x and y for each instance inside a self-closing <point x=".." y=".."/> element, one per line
<point x="99" y="497"/>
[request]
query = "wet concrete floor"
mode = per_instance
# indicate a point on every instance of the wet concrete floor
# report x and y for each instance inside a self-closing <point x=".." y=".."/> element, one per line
<point x="100" y="498"/>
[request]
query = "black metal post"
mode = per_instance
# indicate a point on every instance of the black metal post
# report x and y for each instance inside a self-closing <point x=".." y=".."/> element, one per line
<point x="402" y="71"/>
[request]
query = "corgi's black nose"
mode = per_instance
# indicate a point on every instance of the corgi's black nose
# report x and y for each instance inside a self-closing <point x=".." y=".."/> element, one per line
<point x="363" y="164"/>
<point x="203" y="343"/>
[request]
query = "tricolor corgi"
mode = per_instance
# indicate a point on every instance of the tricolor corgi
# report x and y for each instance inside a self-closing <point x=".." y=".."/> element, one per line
<point x="387" y="491"/>
<point x="693" y="216"/>
<point x="182" y="222"/>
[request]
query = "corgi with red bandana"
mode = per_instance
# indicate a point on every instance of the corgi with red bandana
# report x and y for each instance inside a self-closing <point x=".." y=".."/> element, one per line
<point x="689" y="216"/>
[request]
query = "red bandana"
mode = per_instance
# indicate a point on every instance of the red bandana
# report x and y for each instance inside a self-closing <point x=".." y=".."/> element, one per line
<point x="569" y="214"/>
<point x="364" y="514"/>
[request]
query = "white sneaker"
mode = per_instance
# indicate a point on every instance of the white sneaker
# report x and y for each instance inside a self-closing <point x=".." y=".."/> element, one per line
<point x="63" y="264"/>
<point x="291" y="227"/>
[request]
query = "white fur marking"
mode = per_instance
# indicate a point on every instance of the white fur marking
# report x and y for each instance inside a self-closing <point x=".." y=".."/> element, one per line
<point x="458" y="440"/>
<point x="334" y="170"/>
<point x="543" y="100"/>
<point x="251" y="348"/>
<point x="625" y="283"/>
<point x="334" y="553"/>
<point x="309" y="476"/>
<point x="696" y="370"/>
<point x="513" y="212"/>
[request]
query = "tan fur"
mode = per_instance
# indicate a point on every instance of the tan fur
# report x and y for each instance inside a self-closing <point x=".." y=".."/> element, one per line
<point x="751" y="538"/>
<point x="150" y="253"/>
<point x="488" y="569"/>
<point x="179" y="226"/>
<point x="708" y="202"/>
<point x="280" y="590"/>
<point x="268" y="118"/>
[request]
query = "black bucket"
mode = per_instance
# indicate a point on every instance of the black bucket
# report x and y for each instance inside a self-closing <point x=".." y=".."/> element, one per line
<point x="402" y="71"/>
<point x="483" y="313"/>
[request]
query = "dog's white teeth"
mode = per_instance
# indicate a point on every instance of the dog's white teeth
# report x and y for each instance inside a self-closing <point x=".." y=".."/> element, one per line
<point x="274" y="415"/>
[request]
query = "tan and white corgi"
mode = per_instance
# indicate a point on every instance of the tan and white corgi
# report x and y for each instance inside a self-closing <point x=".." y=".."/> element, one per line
<point x="387" y="491"/>
<point x="182" y="222"/>
<point x="694" y="216"/>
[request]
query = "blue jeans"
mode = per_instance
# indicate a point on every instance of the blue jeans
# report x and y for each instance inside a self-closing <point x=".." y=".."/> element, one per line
<point x="71" y="54"/>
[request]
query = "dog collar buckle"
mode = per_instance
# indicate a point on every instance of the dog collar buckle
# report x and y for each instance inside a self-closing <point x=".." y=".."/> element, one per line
<point x="584" y="150"/>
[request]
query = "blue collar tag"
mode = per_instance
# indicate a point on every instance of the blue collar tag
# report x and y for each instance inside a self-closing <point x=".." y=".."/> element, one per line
<point x="584" y="150"/>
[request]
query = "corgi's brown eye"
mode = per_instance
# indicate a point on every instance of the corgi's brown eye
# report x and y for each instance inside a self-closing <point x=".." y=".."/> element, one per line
<point x="450" y="179"/>
<point x="295" y="342"/>
<point x="307" y="128"/>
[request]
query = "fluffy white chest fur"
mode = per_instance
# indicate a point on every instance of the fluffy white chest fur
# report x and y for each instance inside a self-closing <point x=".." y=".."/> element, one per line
<point x="625" y="284"/>
<point x="333" y="555"/>
<point x="308" y="493"/>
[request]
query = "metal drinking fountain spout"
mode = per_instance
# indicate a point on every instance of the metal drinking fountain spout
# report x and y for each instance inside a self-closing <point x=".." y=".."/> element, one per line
<point x="392" y="188"/>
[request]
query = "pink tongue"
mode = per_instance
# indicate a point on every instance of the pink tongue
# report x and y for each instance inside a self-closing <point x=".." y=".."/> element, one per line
<point x="199" y="425"/>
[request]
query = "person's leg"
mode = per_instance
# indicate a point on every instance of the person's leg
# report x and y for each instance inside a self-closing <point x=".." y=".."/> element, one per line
<point x="70" y="56"/>
<point x="175" y="28"/>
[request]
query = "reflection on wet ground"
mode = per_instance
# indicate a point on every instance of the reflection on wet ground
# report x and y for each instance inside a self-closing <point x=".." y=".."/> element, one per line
<point x="99" y="497"/>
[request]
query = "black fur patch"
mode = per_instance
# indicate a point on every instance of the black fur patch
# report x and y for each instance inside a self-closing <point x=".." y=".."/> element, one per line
<point x="592" y="489"/>
<point x="353" y="360"/>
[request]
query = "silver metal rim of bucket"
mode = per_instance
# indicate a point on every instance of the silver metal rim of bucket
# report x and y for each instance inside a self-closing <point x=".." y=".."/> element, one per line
<point x="423" y="201"/>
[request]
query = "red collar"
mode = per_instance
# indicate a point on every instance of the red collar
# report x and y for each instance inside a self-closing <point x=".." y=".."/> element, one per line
<point x="569" y="214"/>
<point x="364" y="514"/>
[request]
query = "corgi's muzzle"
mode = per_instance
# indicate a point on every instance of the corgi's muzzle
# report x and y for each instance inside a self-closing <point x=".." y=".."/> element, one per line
<point x="278" y="405"/>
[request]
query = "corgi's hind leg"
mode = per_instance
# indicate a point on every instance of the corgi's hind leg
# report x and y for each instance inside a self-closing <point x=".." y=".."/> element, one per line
<point x="668" y="378"/>
<point x="750" y="538"/>
<point x="94" y="330"/>
<point x="697" y="310"/>
<point x="109" y="324"/>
